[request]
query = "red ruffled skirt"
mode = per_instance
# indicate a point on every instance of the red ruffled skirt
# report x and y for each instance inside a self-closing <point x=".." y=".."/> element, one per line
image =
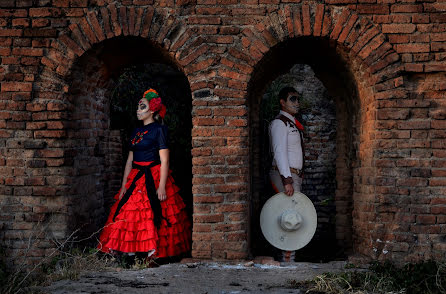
<point x="133" y="229"/>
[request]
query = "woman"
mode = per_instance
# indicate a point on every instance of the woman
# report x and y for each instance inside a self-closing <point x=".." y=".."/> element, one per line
<point x="149" y="215"/>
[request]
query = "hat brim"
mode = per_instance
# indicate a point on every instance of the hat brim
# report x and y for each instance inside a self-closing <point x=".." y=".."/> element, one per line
<point x="270" y="225"/>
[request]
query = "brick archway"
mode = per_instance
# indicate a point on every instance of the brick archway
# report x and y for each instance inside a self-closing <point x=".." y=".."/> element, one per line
<point x="74" y="90"/>
<point x="368" y="68"/>
<point x="221" y="52"/>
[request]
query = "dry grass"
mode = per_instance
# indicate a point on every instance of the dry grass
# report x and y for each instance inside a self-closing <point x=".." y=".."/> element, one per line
<point x="422" y="278"/>
<point x="69" y="265"/>
<point x="63" y="262"/>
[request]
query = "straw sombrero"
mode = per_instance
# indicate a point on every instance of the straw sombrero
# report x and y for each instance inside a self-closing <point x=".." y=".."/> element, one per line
<point x="288" y="223"/>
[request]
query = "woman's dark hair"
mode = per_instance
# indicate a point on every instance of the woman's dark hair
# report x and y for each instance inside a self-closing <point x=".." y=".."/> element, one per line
<point x="283" y="94"/>
<point x="157" y="117"/>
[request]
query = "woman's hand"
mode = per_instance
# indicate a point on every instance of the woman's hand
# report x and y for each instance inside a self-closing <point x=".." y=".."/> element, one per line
<point x="161" y="193"/>
<point x="122" y="191"/>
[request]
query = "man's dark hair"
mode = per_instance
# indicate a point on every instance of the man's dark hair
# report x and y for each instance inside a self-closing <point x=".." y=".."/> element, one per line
<point x="284" y="93"/>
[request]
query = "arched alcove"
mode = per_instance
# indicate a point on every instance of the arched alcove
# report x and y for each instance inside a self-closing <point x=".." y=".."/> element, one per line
<point x="97" y="137"/>
<point x="332" y="66"/>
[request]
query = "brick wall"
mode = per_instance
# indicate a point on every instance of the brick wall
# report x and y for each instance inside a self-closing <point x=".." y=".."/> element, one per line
<point x="383" y="63"/>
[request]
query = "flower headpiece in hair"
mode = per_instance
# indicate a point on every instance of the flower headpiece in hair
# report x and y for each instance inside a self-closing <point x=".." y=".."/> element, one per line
<point x="155" y="103"/>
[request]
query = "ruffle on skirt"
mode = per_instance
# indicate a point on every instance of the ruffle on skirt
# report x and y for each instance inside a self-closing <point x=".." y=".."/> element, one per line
<point x="133" y="229"/>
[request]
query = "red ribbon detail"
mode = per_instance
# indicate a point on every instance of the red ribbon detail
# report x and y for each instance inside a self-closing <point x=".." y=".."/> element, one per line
<point x="298" y="125"/>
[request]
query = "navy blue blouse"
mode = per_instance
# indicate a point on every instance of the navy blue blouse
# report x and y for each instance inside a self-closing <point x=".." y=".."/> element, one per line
<point x="147" y="140"/>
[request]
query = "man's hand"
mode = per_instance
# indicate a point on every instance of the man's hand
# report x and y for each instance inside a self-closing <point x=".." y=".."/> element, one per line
<point x="289" y="190"/>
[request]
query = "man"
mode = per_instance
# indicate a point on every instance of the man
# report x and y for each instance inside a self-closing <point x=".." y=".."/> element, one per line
<point x="286" y="141"/>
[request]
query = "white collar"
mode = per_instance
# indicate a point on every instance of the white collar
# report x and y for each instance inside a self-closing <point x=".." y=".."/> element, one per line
<point x="284" y="113"/>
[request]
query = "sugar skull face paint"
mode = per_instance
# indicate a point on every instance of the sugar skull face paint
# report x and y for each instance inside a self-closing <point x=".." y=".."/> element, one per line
<point x="291" y="105"/>
<point x="143" y="112"/>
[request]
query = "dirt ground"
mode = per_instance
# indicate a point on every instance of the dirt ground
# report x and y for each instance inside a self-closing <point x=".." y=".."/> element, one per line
<point x="197" y="277"/>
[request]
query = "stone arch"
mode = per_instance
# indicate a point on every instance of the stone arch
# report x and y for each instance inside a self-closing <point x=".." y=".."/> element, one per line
<point x="172" y="43"/>
<point x="375" y="73"/>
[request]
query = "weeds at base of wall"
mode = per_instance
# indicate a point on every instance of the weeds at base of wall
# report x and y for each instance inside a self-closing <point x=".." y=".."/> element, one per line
<point x="422" y="278"/>
<point x="66" y="261"/>
<point x="66" y="265"/>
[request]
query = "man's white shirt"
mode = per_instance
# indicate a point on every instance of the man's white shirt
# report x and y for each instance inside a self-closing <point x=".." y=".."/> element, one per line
<point x="286" y="145"/>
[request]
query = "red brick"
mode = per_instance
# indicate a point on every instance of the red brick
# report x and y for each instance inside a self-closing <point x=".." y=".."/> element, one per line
<point x="234" y="207"/>
<point x="364" y="39"/>
<point x="96" y="26"/>
<point x="208" y="199"/>
<point x="416" y="8"/>
<point x="425" y="219"/>
<point x="139" y="14"/>
<point x="412" y="48"/>
<point x="23" y="22"/>
<point x="124" y="20"/>
<point x="61" y="3"/>
<point x="372" y="46"/>
<point x="35" y="125"/>
<point x="393" y="114"/>
<point x="237" y="122"/>
<point x="412" y="182"/>
<point x="131" y="18"/>
<point x="204" y="20"/>
<point x="44" y="12"/>
<point x="435" y="67"/>
<point x="398" y="39"/>
<point x="438" y="210"/>
<point x="234" y="75"/>
<point x="147" y="22"/>
<point x="229" y="132"/>
<point x="372" y="8"/>
<point x="306" y="20"/>
<point x="39" y="22"/>
<point x="106" y="22"/>
<point x="55" y="125"/>
<point x="88" y="32"/>
<point x="288" y="14"/>
<point x="438" y="18"/>
<point x="56" y="106"/>
<point x="398" y="28"/>
<point x="208" y="121"/>
<point x="43" y="191"/>
<point x="115" y="22"/>
<point x="340" y="23"/>
<point x="49" y="134"/>
<point x="16" y="87"/>
<point x="194" y="54"/>
<point x="79" y="36"/>
<point x="347" y="28"/>
<point x="72" y="45"/>
<point x="297" y="22"/>
<point x="318" y="20"/>
<point x="208" y="218"/>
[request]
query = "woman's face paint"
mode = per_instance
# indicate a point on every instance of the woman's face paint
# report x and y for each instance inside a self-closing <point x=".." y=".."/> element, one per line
<point x="143" y="110"/>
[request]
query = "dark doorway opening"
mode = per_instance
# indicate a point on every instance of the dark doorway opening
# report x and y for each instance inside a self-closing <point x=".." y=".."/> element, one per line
<point x="319" y="70"/>
<point x="104" y="86"/>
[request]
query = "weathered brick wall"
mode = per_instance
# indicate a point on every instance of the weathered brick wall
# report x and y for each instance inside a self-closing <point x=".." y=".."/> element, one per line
<point x="383" y="63"/>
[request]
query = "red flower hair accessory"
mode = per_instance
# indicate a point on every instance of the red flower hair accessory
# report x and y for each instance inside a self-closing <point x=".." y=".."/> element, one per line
<point x="155" y="103"/>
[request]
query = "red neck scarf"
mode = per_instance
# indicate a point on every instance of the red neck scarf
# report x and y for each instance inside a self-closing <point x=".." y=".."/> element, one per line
<point x="298" y="125"/>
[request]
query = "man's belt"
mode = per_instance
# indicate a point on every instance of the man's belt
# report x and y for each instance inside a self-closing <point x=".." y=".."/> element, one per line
<point x="293" y="170"/>
<point x="144" y="170"/>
